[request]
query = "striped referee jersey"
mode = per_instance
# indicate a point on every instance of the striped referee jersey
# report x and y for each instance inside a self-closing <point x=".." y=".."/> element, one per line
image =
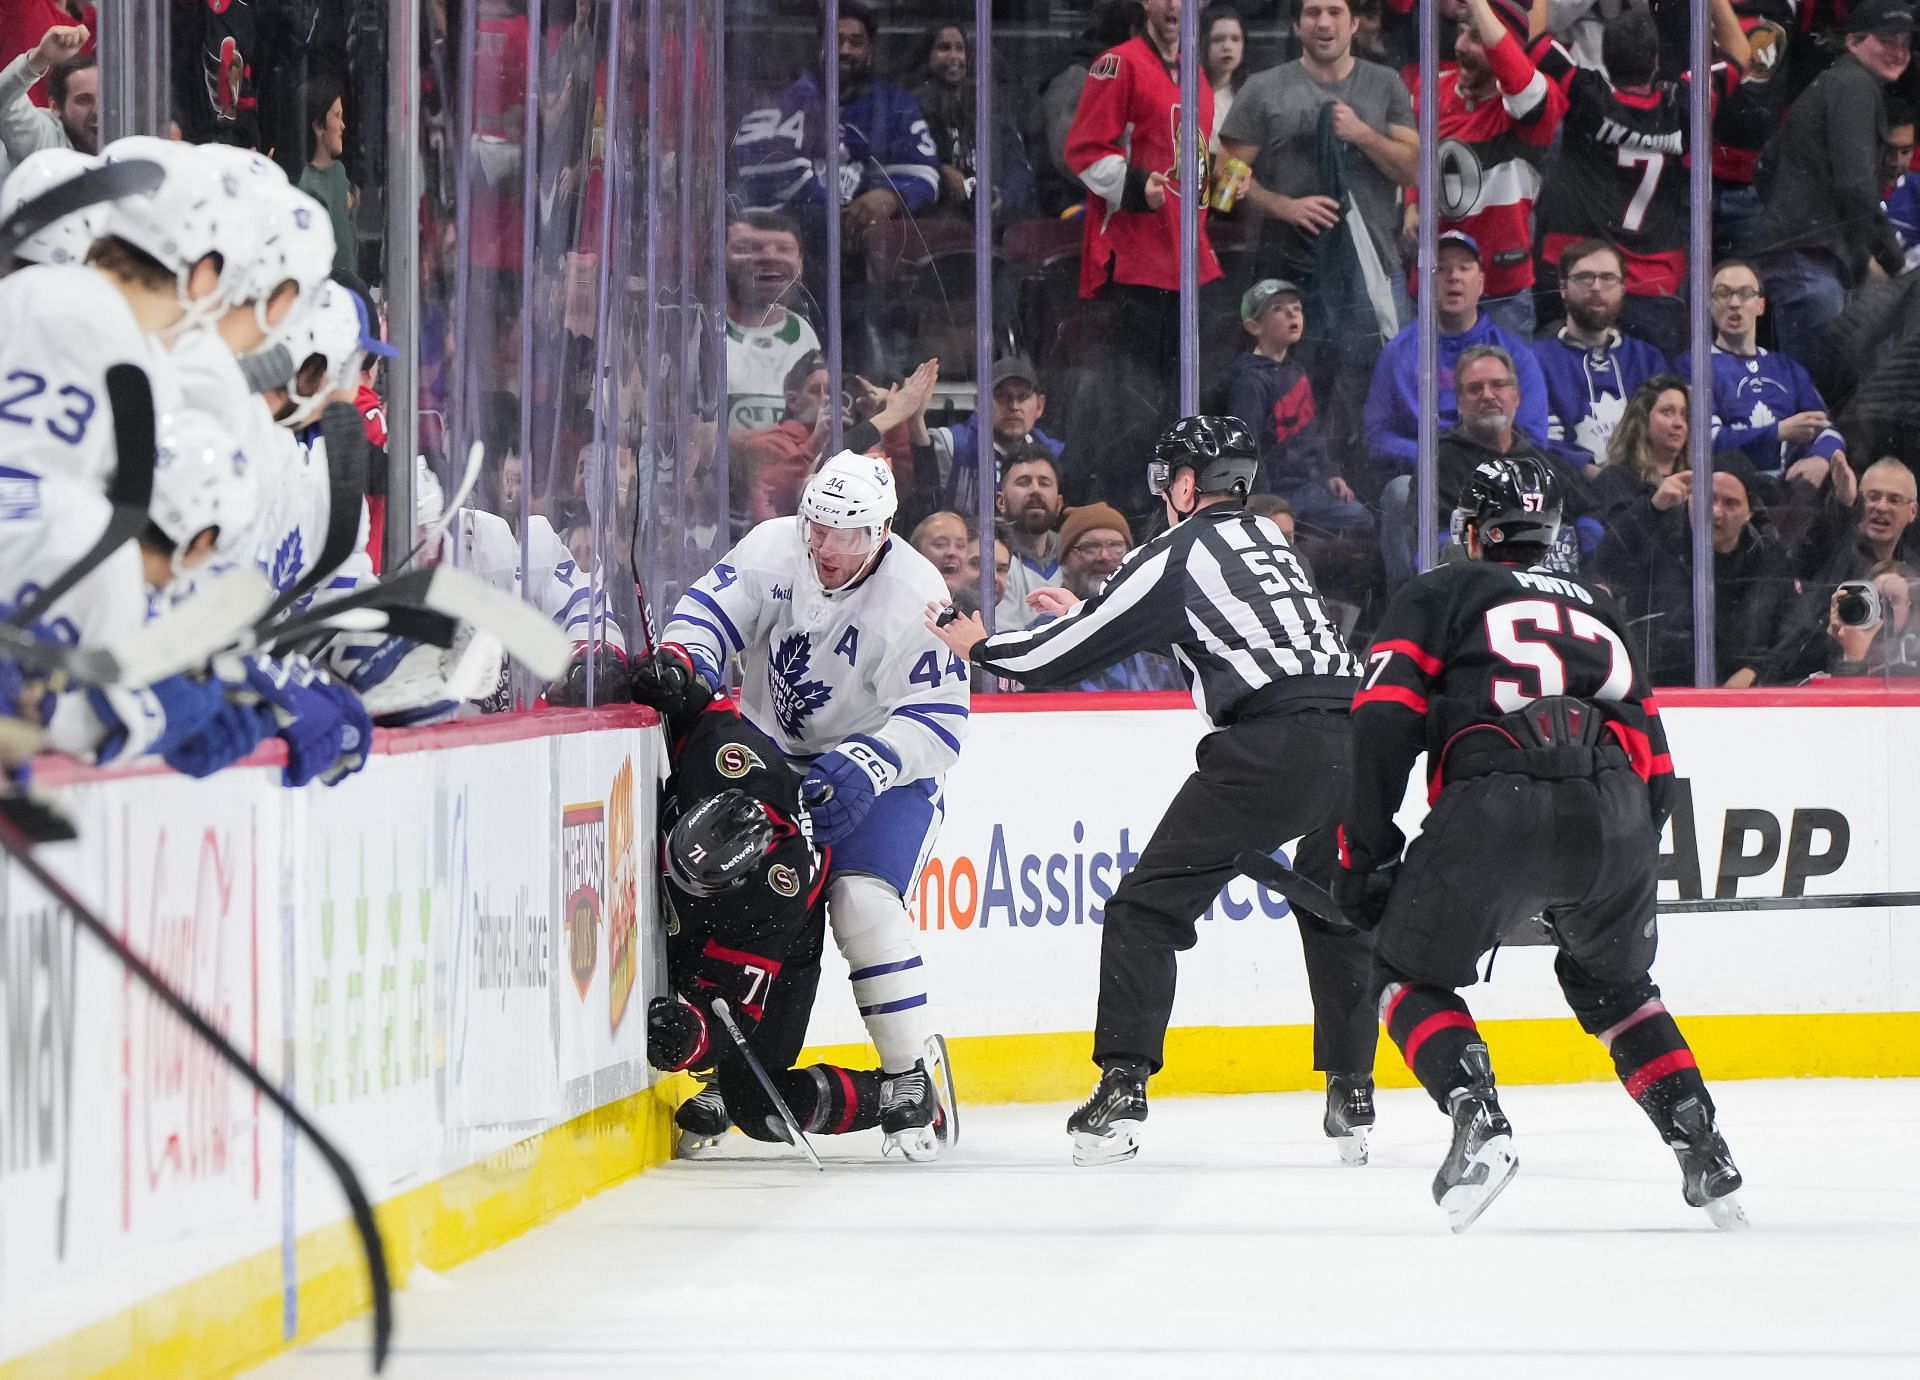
<point x="1225" y="594"/>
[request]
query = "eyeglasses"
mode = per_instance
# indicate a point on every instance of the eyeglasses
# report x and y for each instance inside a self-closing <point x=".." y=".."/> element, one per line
<point x="1594" y="280"/>
<point x="1113" y="547"/>
<point x="1891" y="500"/>
<point x="1741" y="295"/>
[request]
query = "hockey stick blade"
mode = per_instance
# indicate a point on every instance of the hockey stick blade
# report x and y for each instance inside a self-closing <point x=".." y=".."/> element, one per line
<point x="346" y="439"/>
<point x="14" y="842"/>
<point x="192" y="632"/>
<point x="1856" y="900"/>
<point x="130" y="490"/>
<point x="1298" y="891"/>
<point x="135" y="177"/>
<point x="759" y="1072"/>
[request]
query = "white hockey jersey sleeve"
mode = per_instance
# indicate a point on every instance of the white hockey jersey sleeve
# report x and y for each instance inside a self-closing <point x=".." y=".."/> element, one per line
<point x="726" y="610"/>
<point x="924" y="687"/>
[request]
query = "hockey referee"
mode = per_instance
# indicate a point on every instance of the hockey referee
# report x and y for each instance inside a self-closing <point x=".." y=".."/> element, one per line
<point x="1268" y="669"/>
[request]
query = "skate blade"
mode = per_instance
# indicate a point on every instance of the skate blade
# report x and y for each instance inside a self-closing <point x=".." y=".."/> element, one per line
<point x="1463" y="1203"/>
<point x="1352" y="1146"/>
<point x="1120" y="1143"/>
<point x="947" y="1124"/>
<point x="1726" y="1213"/>
<point x="918" y="1144"/>
<point x="695" y="1147"/>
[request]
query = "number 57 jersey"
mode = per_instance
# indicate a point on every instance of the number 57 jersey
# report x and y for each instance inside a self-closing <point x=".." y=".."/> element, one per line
<point x="817" y="670"/>
<point x="1466" y="644"/>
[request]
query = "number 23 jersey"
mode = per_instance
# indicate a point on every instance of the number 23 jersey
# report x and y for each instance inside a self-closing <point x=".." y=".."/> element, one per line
<point x="1467" y="643"/>
<point x="818" y="670"/>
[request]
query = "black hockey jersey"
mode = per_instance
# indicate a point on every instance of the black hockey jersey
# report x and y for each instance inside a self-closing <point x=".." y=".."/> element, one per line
<point x="1465" y="644"/>
<point x="736" y="944"/>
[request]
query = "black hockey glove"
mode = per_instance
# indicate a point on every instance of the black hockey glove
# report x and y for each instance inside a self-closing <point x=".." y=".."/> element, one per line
<point x="1362" y="894"/>
<point x="610" y="678"/>
<point x="667" y="679"/>
<point x="676" y="1034"/>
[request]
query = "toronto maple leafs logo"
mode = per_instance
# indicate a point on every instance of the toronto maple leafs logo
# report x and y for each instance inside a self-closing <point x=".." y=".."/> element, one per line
<point x="286" y="562"/>
<point x="794" y="696"/>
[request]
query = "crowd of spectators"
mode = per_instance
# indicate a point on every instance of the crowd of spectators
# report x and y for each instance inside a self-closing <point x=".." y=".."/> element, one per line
<point x="1561" y="287"/>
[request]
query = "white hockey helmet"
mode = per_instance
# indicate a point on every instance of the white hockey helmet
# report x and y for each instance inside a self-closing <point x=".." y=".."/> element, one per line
<point x="296" y="235"/>
<point x="68" y="239"/>
<point x="197" y="210"/>
<point x="201" y="479"/>
<point x="337" y="330"/>
<point x="845" y="511"/>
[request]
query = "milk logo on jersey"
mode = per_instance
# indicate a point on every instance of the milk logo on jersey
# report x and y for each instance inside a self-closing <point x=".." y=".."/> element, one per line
<point x="583" y="884"/>
<point x="795" y="697"/>
<point x="735" y="760"/>
<point x="783" y="879"/>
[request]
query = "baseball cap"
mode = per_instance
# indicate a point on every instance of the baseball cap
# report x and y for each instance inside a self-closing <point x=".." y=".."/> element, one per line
<point x="1015" y="367"/>
<point x="1880" y="17"/>
<point x="1460" y="238"/>
<point x="1263" y="292"/>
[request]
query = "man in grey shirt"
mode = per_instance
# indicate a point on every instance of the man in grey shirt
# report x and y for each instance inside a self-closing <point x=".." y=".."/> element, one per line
<point x="73" y="85"/>
<point x="1272" y="127"/>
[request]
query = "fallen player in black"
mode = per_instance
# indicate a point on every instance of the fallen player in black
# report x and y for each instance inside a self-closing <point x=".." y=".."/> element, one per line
<point x="743" y="900"/>
<point x="1550" y="782"/>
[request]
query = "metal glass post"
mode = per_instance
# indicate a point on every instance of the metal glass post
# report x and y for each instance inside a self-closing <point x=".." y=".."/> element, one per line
<point x="830" y="207"/>
<point x="722" y="142"/>
<point x="1700" y="397"/>
<point x="402" y="288"/>
<point x="606" y="397"/>
<point x="463" y="406"/>
<point x="135" y="72"/>
<point x="986" y="467"/>
<point x="529" y="263"/>
<point x="1191" y="193"/>
<point x="1427" y="500"/>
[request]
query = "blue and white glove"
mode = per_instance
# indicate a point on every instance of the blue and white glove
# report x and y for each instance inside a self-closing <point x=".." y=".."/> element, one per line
<point x="233" y="732"/>
<point x="153" y="719"/>
<point x="842" y="785"/>
<point x="323" y="724"/>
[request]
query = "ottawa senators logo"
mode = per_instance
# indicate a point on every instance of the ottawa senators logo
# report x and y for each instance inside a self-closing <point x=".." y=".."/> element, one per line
<point x="783" y="879"/>
<point x="734" y="761"/>
<point x="1105" y="68"/>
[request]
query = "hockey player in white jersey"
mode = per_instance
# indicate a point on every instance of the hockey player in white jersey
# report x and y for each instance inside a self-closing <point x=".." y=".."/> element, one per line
<point x="65" y="242"/>
<point x="824" y="610"/>
<point x="150" y="273"/>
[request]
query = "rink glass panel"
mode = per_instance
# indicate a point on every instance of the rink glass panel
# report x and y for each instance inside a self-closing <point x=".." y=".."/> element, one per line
<point x="570" y="308"/>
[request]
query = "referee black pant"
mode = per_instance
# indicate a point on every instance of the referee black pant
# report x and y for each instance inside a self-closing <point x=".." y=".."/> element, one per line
<point x="1259" y="782"/>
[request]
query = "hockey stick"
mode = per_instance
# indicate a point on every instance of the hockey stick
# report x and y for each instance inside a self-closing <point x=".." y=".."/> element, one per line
<point x="721" y="1010"/>
<point x="437" y="529"/>
<point x="184" y="638"/>
<point x="1307" y="896"/>
<point x="346" y="438"/>
<point x="130" y="490"/>
<point x="526" y="634"/>
<point x="15" y="842"/>
<point x="135" y="177"/>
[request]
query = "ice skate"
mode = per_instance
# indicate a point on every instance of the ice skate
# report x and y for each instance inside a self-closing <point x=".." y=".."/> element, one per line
<point x="1106" y="1128"/>
<point x="909" y="1112"/>
<point x="946" y="1112"/>
<point x="1480" y="1162"/>
<point x="1349" y="1115"/>
<point x="1708" y="1179"/>
<point x="702" y="1120"/>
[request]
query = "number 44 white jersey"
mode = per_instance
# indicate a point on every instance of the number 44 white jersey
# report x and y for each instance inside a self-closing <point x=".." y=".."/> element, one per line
<point x="818" y="670"/>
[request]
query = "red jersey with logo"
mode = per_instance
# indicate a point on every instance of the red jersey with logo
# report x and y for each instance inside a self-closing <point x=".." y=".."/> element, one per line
<point x="1492" y="154"/>
<point x="1129" y="117"/>
<point x="1622" y="171"/>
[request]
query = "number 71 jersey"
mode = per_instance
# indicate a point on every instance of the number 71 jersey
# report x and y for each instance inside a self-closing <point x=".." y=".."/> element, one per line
<point x="817" y="670"/>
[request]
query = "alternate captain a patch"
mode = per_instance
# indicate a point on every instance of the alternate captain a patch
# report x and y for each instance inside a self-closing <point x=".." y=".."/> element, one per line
<point x="735" y="760"/>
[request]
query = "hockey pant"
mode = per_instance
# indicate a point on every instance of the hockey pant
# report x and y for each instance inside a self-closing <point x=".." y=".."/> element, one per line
<point x="871" y="874"/>
<point x="1497" y="849"/>
<point x="1259" y="782"/>
<point x="824" y="1098"/>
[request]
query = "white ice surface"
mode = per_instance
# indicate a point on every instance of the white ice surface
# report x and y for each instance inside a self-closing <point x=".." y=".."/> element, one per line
<point x="1235" y="1245"/>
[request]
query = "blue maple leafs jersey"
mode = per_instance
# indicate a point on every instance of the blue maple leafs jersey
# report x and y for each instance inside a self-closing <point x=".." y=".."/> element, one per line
<point x="819" y="670"/>
<point x="780" y="150"/>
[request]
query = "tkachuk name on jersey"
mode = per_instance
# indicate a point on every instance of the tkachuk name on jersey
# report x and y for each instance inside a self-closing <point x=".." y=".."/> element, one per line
<point x="1613" y="132"/>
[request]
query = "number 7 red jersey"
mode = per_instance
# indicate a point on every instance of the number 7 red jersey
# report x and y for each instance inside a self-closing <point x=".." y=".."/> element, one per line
<point x="1462" y="646"/>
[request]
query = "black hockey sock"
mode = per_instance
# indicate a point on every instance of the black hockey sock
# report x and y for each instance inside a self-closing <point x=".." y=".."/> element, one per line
<point x="1433" y="1028"/>
<point x="828" y="1100"/>
<point x="1653" y="1061"/>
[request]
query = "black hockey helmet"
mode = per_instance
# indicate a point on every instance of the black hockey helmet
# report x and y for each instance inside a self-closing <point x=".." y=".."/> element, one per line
<point x="718" y="843"/>
<point x="1510" y="502"/>
<point x="1219" y="450"/>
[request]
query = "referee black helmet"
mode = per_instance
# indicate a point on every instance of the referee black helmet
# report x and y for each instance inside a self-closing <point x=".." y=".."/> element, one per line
<point x="1219" y="450"/>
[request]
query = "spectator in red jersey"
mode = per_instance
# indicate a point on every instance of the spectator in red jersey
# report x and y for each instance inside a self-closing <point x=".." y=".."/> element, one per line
<point x="22" y="22"/>
<point x="1621" y="174"/>
<point x="1122" y="146"/>
<point x="1497" y="119"/>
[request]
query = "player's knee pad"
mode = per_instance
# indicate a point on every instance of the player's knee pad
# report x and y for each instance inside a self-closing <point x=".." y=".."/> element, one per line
<point x="1601" y="1004"/>
<point x="876" y="937"/>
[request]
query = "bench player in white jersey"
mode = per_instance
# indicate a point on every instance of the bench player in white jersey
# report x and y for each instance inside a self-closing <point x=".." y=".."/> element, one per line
<point x="149" y="270"/>
<point x="65" y="242"/>
<point x="839" y="671"/>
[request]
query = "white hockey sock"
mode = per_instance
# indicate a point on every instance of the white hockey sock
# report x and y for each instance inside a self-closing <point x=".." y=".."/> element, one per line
<point x="876" y="937"/>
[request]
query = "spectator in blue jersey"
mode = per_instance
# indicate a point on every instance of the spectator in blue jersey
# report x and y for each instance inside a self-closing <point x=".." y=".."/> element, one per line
<point x="1094" y="539"/>
<point x="1902" y="200"/>
<point x="946" y="458"/>
<point x="888" y="163"/>
<point x="1392" y="419"/>
<point x="1590" y="366"/>
<point x="1764" y="404"/>
<point x="1029" y="508"/>
<point x="1269" y="391"/>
